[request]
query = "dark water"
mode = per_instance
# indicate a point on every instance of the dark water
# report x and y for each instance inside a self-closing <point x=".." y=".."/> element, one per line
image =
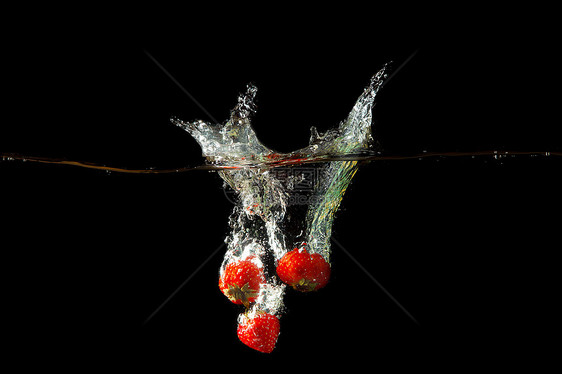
<point x="465" y="245"/>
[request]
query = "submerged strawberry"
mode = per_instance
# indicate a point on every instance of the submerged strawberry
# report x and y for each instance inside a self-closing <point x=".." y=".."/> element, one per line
<point x="303" y="271"/>
<point x="259" y="332"/>
<point x="240" y="282"/>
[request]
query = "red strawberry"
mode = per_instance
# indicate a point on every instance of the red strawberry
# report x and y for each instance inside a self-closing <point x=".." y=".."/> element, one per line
<point x="240" y="282"/>
<point x="303" y="271"/>
<point x="259" y="332"/>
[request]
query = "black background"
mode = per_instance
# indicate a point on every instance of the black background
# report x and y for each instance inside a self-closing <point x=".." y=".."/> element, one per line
<point x="464" y="244"/>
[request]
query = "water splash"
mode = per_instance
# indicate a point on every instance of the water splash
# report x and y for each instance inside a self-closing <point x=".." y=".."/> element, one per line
<point x="268" y="219"/>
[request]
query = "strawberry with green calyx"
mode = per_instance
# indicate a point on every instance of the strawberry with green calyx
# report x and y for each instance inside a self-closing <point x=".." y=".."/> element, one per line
<point x="258" y="330"/>
<point x="240" y="282"/>
<point x="303" y="271"/>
